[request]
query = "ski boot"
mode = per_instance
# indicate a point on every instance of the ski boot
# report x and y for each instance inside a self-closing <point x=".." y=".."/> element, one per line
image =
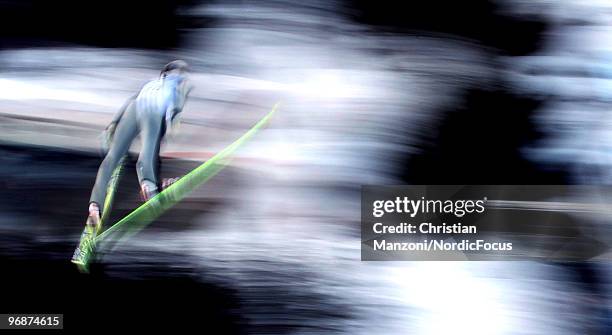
<point x="148" y="190"/>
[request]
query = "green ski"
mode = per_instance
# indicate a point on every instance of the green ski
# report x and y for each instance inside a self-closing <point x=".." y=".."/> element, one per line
<point x="153" y="208"/>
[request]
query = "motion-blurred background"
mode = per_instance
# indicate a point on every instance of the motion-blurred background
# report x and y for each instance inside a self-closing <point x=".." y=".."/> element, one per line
<point x="372" y="92"/>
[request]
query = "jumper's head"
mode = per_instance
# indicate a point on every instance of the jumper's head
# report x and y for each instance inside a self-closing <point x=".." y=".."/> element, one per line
<point x="175" y="67"/>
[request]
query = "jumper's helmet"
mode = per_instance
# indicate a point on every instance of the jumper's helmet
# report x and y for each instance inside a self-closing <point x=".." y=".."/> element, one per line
<point x="178" y="65"/>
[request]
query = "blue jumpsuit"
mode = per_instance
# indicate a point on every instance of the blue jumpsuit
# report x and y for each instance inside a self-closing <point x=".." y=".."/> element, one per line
<point x="156" y="105"/>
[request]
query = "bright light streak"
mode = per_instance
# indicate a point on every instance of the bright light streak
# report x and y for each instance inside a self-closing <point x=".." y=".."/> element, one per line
<point x="453" y="301"/>
<point x="326" y="84"/>
<point x="19" y="90"/>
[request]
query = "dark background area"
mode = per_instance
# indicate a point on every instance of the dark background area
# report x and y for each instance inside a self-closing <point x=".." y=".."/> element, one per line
<point x="112" y="23"/>
<point x="480" y="20"/>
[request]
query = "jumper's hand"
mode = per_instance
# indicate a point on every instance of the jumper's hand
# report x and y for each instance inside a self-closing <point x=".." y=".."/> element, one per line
<point x="166" y="182"/>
